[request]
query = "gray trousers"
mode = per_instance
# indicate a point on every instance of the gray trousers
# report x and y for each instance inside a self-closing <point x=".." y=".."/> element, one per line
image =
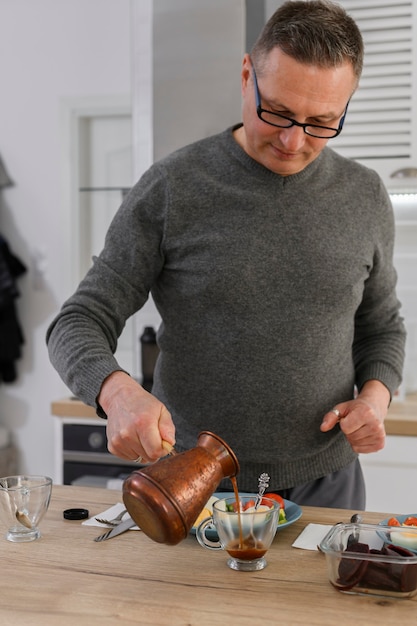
<point x="344" y="489"/>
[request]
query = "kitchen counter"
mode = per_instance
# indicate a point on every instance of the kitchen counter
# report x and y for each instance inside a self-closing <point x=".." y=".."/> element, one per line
<point x="66" y="578"/>
<point x="71" y="407"/>
<point x="401" y="418"/>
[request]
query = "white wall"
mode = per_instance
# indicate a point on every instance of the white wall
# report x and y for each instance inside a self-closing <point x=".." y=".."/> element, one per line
<point x="198" y="48"/>
<point x="390" y="476"/>
<point x="50" y="51"/>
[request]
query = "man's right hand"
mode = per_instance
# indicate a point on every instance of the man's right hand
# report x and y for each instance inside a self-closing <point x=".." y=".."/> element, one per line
<point x="137" y="422"/>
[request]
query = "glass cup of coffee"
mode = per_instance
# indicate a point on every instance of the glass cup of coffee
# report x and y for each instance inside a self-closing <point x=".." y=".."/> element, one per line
<point x="243" y="531"/>
<point x="23" y="502"/>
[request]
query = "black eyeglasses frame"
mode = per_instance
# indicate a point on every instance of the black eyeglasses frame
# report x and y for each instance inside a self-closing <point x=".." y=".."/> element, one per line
<point x="292" y="122"/>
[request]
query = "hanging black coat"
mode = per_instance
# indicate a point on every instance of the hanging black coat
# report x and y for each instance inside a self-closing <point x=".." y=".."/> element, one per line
<point x="11" y="336"/>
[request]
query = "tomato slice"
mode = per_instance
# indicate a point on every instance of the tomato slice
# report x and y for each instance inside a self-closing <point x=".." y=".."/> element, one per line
<point x="410" y="521"/>
<point x="276" y="497"/>
<point x="393" y="522"/>
<point x="249" y="504"/>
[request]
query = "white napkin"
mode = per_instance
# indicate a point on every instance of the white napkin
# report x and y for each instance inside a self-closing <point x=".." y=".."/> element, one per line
<point x="110" y="513"/>
<point x="311" y="536"/>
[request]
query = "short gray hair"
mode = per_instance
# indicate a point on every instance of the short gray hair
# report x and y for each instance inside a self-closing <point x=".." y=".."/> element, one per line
<point x="314" y="32"/>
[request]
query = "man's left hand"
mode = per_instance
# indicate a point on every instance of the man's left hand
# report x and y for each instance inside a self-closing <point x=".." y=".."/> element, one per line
<point x="362" y="419"/>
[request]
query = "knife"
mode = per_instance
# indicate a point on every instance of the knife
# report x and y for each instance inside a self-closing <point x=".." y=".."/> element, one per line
<point x="117" y="530"/>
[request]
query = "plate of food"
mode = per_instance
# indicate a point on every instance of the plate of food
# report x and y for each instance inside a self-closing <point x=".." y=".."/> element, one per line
<point x="288" y="514"/>
<point x="399" y="535"/>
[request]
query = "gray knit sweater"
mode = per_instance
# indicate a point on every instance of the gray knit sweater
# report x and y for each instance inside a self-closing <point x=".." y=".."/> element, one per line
<point x="277" y="296"/>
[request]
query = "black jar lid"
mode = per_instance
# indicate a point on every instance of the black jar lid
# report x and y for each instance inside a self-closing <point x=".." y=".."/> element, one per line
<point x="76" y="514"/>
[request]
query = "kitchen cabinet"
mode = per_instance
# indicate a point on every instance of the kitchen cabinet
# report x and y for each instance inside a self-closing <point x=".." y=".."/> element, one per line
<point x="80" y="446"/>
<point x="391" y="473"/>
<point x="391" y="476"/>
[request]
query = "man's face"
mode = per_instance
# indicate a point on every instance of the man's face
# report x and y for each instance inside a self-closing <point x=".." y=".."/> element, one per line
<point x="306" y="93"/>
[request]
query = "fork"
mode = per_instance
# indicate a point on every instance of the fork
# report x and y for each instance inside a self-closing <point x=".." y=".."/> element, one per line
<point x="117" y="530"/>
<point x="111" y="522"/>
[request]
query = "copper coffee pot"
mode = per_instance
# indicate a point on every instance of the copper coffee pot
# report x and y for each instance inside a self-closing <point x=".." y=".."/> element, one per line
<point x="165" y="498"/>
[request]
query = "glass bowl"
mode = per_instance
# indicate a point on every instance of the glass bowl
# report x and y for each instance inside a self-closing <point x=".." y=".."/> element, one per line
<point x="24" y="501"/>
<point x="370" y="559"/>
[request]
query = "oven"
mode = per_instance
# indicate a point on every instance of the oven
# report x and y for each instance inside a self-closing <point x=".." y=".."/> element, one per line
<point x="86" y="460"/>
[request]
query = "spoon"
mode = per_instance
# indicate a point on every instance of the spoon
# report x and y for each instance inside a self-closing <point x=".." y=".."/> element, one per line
<point x="355" y="519"/>
<point x="263" y="483"/>
<point x="354" y="537"/>
<point x="23" y="519"/>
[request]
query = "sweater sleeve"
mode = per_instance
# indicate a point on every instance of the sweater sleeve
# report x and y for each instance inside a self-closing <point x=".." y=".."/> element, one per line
<point x="379" y="343"/>
<point x="82" y="339"/>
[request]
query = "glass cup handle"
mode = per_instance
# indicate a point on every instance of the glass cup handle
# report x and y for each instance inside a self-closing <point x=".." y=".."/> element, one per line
<point x="205" y="542"/>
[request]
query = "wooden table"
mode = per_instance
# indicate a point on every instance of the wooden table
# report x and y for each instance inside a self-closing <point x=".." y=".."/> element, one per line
<point x="65" y="578"/>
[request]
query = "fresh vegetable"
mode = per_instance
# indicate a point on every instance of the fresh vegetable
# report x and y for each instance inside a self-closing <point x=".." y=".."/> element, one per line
<point x="409" y="521"/>
<point x="277" y="498"/>
<point x="233" y="507"/>
<point x="250" y="504"/>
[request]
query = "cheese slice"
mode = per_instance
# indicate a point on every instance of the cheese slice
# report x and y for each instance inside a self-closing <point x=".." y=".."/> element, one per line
<point x="203" y="515"/>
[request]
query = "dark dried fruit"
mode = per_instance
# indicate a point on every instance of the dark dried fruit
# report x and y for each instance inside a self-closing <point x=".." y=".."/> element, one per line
<point x="352" y="570"/>
<point x="372" y="574"/>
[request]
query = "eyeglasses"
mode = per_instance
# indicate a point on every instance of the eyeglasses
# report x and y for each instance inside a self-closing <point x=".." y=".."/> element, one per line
<point x="282" y="121"/>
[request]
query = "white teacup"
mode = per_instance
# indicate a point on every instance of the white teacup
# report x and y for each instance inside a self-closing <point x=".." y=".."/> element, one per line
<point x="245" y="534"/>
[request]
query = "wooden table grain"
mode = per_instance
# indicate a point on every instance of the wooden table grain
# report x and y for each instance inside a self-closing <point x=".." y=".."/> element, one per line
<point x="65" y="578"/>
